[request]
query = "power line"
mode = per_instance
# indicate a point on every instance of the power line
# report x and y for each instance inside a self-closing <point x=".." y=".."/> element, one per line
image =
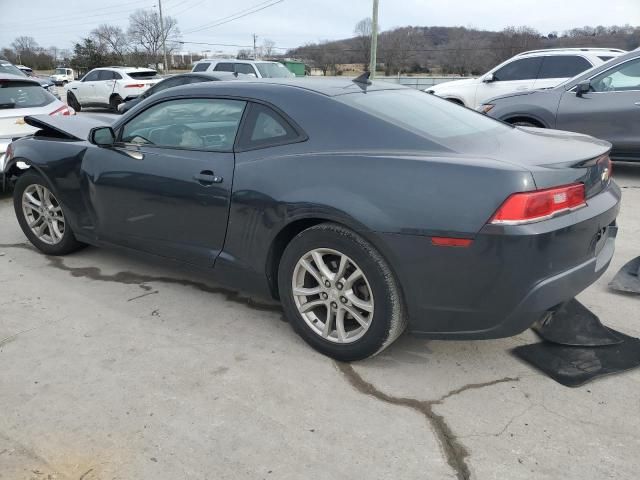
<point x="236" y="16"/>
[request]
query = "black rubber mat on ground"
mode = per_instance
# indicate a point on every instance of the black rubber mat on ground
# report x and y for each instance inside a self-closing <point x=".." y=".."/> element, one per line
<point x="627" y="280"/>
<point x="575" y="366"/>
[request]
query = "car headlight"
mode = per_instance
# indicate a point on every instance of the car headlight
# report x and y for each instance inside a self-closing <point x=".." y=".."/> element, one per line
<point x="486" y="108"/>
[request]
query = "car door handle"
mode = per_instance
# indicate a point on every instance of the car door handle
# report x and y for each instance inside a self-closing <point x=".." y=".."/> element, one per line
<point x="637" y="104"/>
<point x="207" y="178"/>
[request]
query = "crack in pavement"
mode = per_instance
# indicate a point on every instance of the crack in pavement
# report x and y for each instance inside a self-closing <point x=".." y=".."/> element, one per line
<point x="454" y="451"/>
<point x="132" y="278"/>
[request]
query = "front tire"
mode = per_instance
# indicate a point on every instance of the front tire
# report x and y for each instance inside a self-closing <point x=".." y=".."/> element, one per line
<point x="339" y="294"/>
<point x="42" y="217"/>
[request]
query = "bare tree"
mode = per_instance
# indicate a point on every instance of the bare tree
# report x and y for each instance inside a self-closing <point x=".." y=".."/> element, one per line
<point x="145" y="32"/>
<point x="245" y="54"/>
<point x="268" y="47"/>
<point x="112" y="38"/>
<point x="362" y="31"/>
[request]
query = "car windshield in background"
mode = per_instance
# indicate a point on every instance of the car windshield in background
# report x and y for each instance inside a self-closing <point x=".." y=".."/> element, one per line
<point x="141" y="75"/>
<point x="60" y="71"/>
<point x="17" y="94"/>
<point x="12" y="69"/>
<point x="430" y="117"/>
<point x="273" y="70"/>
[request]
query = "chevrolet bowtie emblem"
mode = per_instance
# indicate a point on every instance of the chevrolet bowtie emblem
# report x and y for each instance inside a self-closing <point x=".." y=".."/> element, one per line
<point x="605" y="175"/>
<point x="20" y="121"/>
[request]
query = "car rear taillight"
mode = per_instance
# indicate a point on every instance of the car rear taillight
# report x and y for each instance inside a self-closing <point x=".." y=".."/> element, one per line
<point x="64" y="110"/>
<point x="134" y="85"/>
<point x="528" y="207"/>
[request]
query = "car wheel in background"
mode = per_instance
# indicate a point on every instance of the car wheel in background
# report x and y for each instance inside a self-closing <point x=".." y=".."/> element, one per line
<point x="114" y="101"/>
<point x="524" y="123"/>
<point x="339" y="294"/>
<point x="41" y="216"/>
<point x="72" y="101"/>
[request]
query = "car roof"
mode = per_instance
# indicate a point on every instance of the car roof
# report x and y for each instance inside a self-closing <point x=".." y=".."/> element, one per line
<point x="330" y="87"/>
<point x="233" y="60"/>
<point x="564" y="51"/>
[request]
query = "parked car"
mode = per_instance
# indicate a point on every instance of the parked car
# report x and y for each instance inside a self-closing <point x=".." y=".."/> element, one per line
<point x="109" y="87"/>
<point x="22" y="71"/>
<point x="603" y="102"/>
<point x="177" y="80"/>
<point x="363" y="207"/>
<point x="63" y="75"/>
<point x="526" y="71"/>
<point x="20" y="96"/>
<point x="258" y="69"/>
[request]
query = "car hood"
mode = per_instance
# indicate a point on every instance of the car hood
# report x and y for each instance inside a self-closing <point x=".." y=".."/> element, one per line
<point x="74" y="127"/>
<point x="453" y="84"/>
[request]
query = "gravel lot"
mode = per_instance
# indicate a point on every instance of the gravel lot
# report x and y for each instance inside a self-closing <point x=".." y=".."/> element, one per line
<point x="116" y="367"/>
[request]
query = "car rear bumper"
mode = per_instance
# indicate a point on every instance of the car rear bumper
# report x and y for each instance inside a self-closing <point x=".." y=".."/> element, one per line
<point x="509" y="277"/>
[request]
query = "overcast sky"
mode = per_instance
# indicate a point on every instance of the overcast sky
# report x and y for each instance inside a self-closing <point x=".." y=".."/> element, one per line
<point x="291" y="23"/>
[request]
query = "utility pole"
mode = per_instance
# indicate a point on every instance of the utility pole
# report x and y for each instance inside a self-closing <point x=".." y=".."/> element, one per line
<point x="255" y="50"/>
<point x="164" y="39"/>
<point x="374" y="41"/>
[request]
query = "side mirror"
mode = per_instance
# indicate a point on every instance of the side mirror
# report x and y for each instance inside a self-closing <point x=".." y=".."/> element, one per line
<point x="489" y="78"/>
<point x="583" y="87"/>
<point x="102" y="136"/>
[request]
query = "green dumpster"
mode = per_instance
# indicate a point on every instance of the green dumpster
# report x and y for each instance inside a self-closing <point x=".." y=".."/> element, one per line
<point x="295" y="67"/>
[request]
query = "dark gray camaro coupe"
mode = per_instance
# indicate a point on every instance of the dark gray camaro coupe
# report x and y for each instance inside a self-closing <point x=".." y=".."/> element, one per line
<point x="363" y="207"/>
<point x="603" y="102"/>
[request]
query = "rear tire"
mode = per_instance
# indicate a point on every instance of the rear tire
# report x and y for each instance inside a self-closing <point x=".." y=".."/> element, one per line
<point x="72" y="101"/>
<point x="352" y="316"/>
<point x="41" y="217"/>
<point x="114" y="101"/>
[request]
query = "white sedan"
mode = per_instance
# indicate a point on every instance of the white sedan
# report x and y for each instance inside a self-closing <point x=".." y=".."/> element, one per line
<point x="21" y="96"/>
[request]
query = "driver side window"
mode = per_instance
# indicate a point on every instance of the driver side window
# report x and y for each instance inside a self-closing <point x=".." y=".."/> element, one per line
<point x="191" y="123"/>
<point x="620" y="78"/>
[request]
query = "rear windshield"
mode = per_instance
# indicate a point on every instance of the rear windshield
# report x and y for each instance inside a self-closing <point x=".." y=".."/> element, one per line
<point x="423" y="114"/>
<point x="17" y="94"/>
<point x="273" y="70"/>
<point x="12" y="69"/>
<point x="147" y="74"/>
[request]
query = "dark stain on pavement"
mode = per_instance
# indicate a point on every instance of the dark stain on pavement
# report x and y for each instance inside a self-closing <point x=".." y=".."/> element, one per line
<point x="454" y="451"/>
<point x="132" y="278"/>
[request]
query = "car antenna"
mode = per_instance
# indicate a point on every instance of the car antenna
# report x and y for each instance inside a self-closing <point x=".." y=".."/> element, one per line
<point x="363" y="78"/>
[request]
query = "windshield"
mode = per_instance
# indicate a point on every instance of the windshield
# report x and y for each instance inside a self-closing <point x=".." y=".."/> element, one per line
<point x="60" y="71"/>
<point x="273" y="70"/>
<point x="424" y="114"/>
<point x="21" y="94"/>
<point x="12" y="69"/>
<point x="146" y="74"/>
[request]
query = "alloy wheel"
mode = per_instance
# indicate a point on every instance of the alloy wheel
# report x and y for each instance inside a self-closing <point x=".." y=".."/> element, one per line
<point x="43" y="214"/>
<point x="333" y="295"/>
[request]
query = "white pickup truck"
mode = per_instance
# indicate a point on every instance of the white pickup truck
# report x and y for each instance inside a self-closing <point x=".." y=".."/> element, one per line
<point x="109" y="87"/>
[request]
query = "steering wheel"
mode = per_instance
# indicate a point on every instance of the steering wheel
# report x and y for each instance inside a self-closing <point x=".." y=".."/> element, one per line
<point x="183" y="136"/>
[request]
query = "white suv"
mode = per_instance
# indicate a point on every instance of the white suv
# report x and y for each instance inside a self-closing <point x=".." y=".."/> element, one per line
<point x="526" y="71"/>
<point x="109" y="87"/>
<point x="256" y="68"/>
